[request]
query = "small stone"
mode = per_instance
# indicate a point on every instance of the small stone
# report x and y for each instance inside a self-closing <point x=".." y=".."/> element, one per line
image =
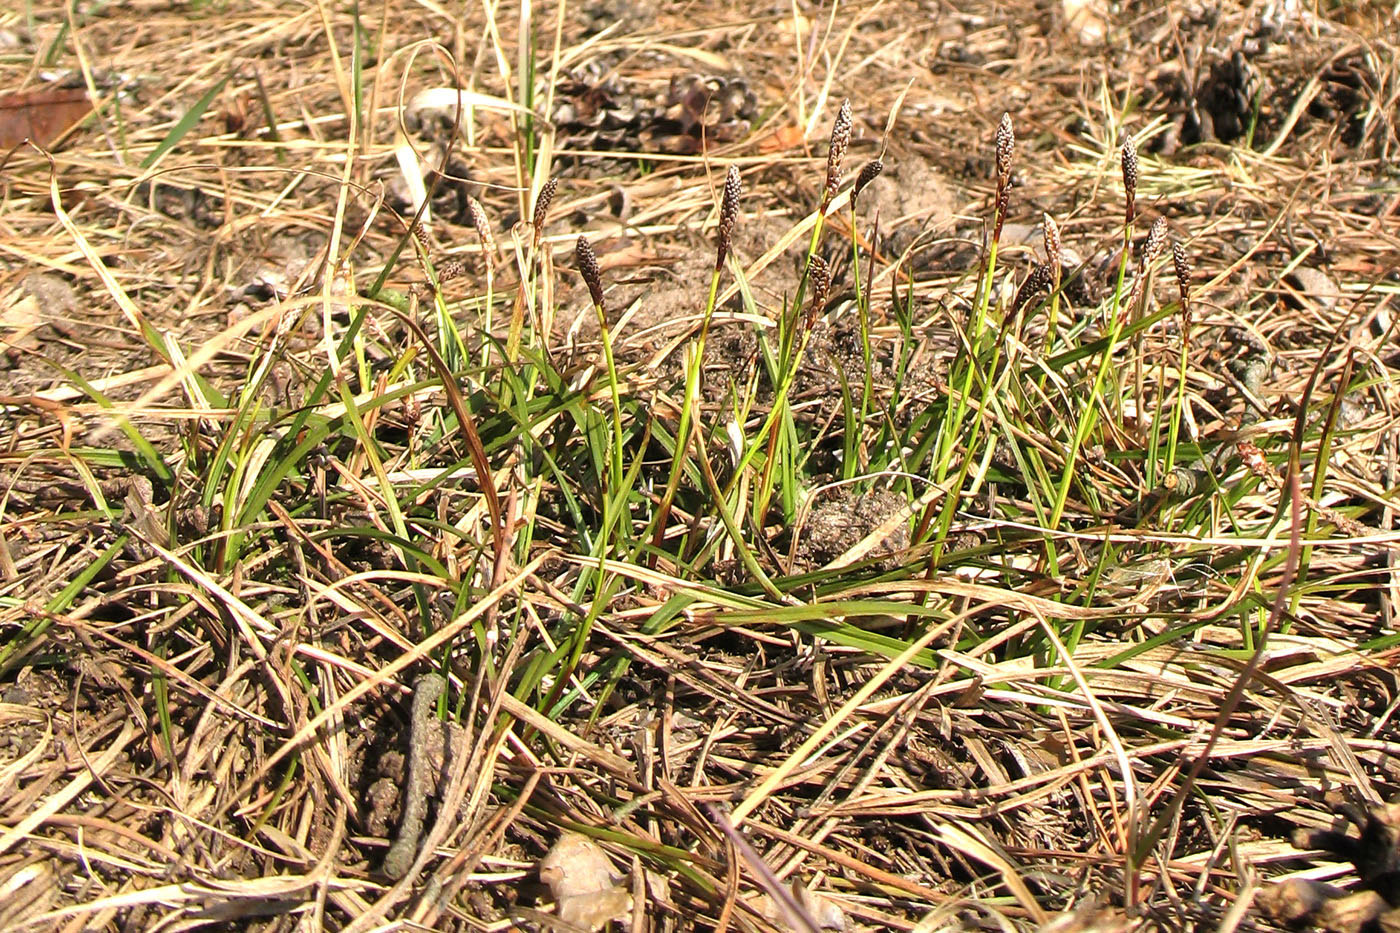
<point x="1087" y="20"/>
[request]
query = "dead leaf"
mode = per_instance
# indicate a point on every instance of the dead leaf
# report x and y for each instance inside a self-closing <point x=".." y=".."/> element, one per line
<point x="583" y="883"/>
<point x="823" y="911"/>
<point x="1306" y="285"/>
<point x="594" y="910"/>
<point x="20" y="312"/>
<point x="44" y="115"/>
<point x="784" y="137"/>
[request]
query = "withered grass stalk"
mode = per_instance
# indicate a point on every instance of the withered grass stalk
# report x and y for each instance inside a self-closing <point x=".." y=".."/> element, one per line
<point x="821" y="286"/>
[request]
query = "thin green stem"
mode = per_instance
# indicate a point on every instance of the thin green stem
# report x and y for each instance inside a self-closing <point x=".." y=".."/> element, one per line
<point x="692" y="389"/>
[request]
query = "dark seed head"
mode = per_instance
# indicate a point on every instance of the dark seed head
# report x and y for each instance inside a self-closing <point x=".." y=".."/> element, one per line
<point x="728" y="214"/>
<point x="450" y="270"/>
<point x="1002" y="204"/>
<point x="1130" y="174"/>
<point x="1040" y="280"/>
<point x="1006" y="142"/>
<point x="588" y="268"/>
<point x="1151" y="250"/>
<point x="545" y="196"/>
<point x="1182" y="263"/>
<point x="840" y="140"/>
<point x="1156" y="240"/>
<point x="868" y="173"/>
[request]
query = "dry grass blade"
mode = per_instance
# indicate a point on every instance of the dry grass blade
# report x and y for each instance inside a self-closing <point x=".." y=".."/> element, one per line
<point x="60" y="799"/>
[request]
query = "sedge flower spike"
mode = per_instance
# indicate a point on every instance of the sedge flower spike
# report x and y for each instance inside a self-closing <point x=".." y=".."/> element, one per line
<point x="542" y="202"/>
<point x="868" y="173"/>
<point x="820" y="274"/>
<point x="477" y="214"/>
<point x="728" y="214"/>
<point x="1053" y="248"/>
<point x="1181" y="262"/>
<point x="1129" y="158"/>
<point x="1156" y="239"/>
<point x="1006" y="144"/>
<point x="588" y="268"/>
<point x="840" y="140"/>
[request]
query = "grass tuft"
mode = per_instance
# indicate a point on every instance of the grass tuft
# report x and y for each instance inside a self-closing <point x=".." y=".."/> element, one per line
<point x="914" y="560"/>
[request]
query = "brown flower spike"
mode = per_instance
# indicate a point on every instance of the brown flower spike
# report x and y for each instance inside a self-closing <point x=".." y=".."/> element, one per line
<point x="542" y="202"/>
<point x="1130" y="176"/>
<point x="840" y="140"/>
<point x="477" y="213"/>
<point x="452" y="269"/>
<point x="1005" y="146"/>
<point x="1006" y="143"/>
<point x="588" y="268"/>
<point x="1156" y="239"/>
<point x="1040" y="280"/>
<point x="1181" y="262"/>
<point x="868" y="173"/>
<point x="420" y="233"/>
<point x="728" y="214"/>
<point x="1151" y="249"/>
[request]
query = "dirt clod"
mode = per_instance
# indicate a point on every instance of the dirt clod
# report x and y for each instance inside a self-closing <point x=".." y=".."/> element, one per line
<point x="842" y="520"/>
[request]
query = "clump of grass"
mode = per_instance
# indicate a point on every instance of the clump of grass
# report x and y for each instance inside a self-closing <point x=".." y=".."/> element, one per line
<point x="728" y="218"/>
<point x="588" y="563"/>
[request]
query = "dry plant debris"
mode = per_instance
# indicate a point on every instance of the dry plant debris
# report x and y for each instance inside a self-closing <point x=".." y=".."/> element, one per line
<point x="959" y="442"/>
<point x="1375" y="854"/>
<point x="583" y="884"/>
